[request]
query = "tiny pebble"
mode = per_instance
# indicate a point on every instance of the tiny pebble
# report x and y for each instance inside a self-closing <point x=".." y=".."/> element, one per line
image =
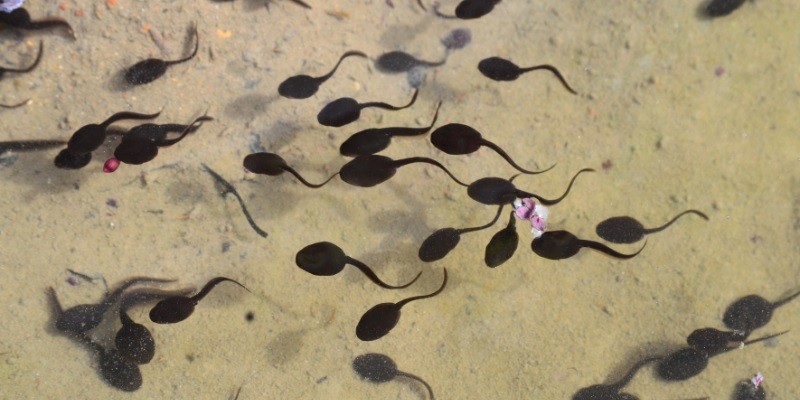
<point x="111" y="203"/>
<point x="719" y="71"/>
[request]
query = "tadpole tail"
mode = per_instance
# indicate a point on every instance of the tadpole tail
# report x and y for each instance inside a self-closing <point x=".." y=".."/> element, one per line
<point x="420" y="380"/>
<point x="556" y="201"/>
<point x="323" y="78"/>
<point x="410" y="299"/>
<point x="508" y="159"/>
<point x="607" y="250"/>
<point x="754" y="341"/>
<point x="374" y="278"/>
<point x="482" y="227"/>
<point x="192" y="127"/>
<point x="211" y="284"/>
<point x="555" y="72"/>
<point x="440" y="15"/>
<point x="229" y="189"/>
<point x="665" y="226"/>
<point x="307" y="183"/>
<point x="632" y="372"/>
<point x="127" y="115"/>
<point x="33" y="65"/>
<point x="430" y="161"/>
<point x="786" y="300"/>
<point x="387" y="106"/>
<point x="406" y="132"/>
<point x="194" y="52"/>
<point x="15" y="105"/>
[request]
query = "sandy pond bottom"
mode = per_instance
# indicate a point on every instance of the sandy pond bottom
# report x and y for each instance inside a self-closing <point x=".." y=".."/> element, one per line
<point x="674" y="112"/>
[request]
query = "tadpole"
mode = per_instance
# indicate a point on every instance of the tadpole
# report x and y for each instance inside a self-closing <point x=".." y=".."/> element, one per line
<point x="178" y="308"/>
<point x="141" y="143"/>
<point x="271" y="164"/>
<point x="628" y="230"/>
<point x="345" y="110"/>
<point x="119" y="371"/>
<point x="460" y="139"/>
<point x="305" y="86"/>
<point x="499" y="69"/>
<point x="714" y="341"/>
<point x="395" y="62"/>
<point x="721" y="8"/>
<point x="379" y="320"/>
<point x="134" y="341"/>
<point x="559" y="245"/>
<point x="379" y="368"/>
<point x="148" y="70"/>
<point x="752" y="312"/>
<point x="375" y="140"/>
<point x="441" y="242"/>
<point x="328" y="259"/>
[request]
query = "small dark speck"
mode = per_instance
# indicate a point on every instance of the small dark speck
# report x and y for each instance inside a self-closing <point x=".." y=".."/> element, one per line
<point x="111" y="203"/>
<point x="226" y="246"/>
<point x="249" y="317"/>
<point x="323" y="379"/>
<point x="190" y="357"/>
<point x="607" y="164"/>
<point x="756" y="239"/>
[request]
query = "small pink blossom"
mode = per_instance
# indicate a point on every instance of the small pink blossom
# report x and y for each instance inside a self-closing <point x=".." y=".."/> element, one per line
<point x="527" y="209"/>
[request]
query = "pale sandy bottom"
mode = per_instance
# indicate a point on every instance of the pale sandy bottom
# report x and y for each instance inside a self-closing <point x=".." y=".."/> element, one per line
<point x="678" y="137"/>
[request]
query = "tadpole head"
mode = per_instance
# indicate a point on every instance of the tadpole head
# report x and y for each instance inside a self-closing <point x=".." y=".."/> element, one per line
<point x="556" y="245"/>
<point x="135" y="150"/>
<point x="172" y="310"/>
<point x="439" y="244"/>
<point x="66" y="160"/>
<point x="748" y="313"/>
<point x="119" y="372"/>
<point x="265" y="163"/>
<point x="492" y="191"/>
<point x="298" y="87"/>
<point x="620" y="230"/>
<point x="321" y="259"/>
<point x="375" y="367"/>
<point x="378" y="321"/>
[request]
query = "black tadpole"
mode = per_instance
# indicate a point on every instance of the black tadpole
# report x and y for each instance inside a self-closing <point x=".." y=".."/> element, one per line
<point x="371" y="170"/>
<point x="395" y="62"/>
<point x="21" y="70"/>
<point x="689" y="362"/>
<point x="560" y="245"/>
<point x="305" y="86"/>
<point x="503" y="244"/>
<point x="178" y="308"/>
<point x="118" y="371"/>
<point x="148" y="70"/>
<point x="460" y="139"/>
<point x="271" y="164"/>
<point x="379" y="320"/>
<point x="227" y="188"/>
<point x="328" y="259"/>
<point x="497" y="191"/>
<point x="441" y="242"/>
<point x="752" y="312"/>
<point x="345" y="110"/>
<point x="469" y="9"/>
<point x="499" y="69"/>
<point x="375" y="140"/>
<point x="628" y="230"/>
<point x="21" y="19"/>
<point x="379" y="368"/>
<point x="611" y="391"/>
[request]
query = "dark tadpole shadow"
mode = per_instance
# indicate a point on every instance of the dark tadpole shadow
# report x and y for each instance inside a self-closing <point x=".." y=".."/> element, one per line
<point x="249" y="106"/>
